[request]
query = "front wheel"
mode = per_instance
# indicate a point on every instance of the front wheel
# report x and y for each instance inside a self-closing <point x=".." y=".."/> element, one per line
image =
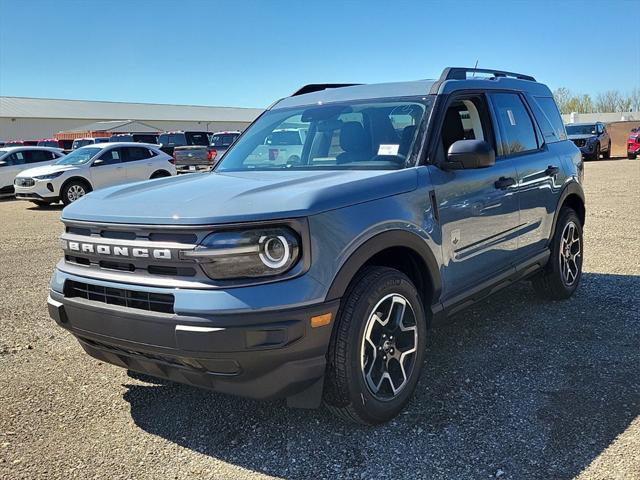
<point x="607" y="155"/>
<point x="73" y="190"/>
<point x="596" y="152"/>
<point x="631" y="156"/>
<point x="377" y="348"/>
<point x="561" y="276"/>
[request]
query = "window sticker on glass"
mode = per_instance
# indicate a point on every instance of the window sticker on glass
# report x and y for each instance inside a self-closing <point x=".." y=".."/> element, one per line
<point x="388" y="149"/>
<point x="512" y="119"/>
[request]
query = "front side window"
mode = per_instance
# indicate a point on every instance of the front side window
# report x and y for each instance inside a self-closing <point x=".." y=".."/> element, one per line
<point x="517" y="133"/>
<point x="79" y="157"/>
<point x="110" y="157"/>
<point x="356" y="135"/>
<point x="16" y="158"/>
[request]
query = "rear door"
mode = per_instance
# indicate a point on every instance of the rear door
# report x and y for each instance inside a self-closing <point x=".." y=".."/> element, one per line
<point x="538" y="165"/>
<point x="109" y="171"/>
<point x="137" y="163"/>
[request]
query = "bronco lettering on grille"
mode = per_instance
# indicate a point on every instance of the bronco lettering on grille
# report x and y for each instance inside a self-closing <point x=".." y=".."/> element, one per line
<point x="121" y="251"/>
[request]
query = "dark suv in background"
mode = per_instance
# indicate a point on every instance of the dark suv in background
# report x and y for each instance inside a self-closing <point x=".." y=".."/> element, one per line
<point x="317" y="277"/>
<point x="591" y="138"/>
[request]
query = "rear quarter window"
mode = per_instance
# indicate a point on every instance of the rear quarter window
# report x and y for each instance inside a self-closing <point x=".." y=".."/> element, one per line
<point x="548" y="117"/>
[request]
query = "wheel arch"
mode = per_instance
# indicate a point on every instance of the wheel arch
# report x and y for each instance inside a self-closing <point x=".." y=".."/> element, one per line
<point x="160" y="173"/>
<point x="572" y="196"/>
<point x="398" y="249"/>
<point x="76" y="178"/>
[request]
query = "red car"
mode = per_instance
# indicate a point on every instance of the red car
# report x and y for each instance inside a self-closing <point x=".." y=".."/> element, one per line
<point x="633" y="144"/>
<point x="21" y="143"/>
<point x="54" y="142"/>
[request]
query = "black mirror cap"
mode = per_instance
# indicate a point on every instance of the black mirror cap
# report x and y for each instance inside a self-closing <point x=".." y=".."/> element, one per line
<point x="465" y="154"/>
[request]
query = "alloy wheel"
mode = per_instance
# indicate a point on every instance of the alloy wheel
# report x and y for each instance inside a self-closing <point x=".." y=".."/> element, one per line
<point x="388" y="348"/>
<point x="74" y="192"/>
<point x="570" y="254"/>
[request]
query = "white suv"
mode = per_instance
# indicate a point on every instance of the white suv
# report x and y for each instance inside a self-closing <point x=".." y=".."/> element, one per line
<point x="90" y="168"/>
<point x="14" y="160"/>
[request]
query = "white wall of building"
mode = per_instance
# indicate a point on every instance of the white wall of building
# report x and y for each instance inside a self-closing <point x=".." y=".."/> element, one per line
<point x="600" y="117"/>
<point x="35" y="128"/>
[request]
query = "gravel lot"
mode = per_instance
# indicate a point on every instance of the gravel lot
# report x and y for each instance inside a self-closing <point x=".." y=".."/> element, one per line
<point x="515" y="388"/>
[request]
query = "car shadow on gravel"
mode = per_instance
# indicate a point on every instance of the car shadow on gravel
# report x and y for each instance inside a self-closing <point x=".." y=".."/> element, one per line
<point x="515" y="388"/>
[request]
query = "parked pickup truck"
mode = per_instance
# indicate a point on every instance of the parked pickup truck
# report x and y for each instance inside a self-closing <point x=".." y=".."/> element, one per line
<point x="190" y="150"/>
<point x="220" y="143"/>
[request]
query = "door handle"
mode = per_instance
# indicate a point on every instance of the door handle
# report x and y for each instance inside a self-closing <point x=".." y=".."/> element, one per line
<point x="504" y="182"/>
<point x="551" y="171"/>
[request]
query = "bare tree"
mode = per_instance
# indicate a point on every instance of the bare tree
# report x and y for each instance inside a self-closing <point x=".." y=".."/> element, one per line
<point x="562" y="96"/>
<point x="608" y="101"/>
<point x="634" y="96"/>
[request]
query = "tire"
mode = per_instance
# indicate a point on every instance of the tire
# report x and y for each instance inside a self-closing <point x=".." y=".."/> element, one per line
<point x="41" y="203"/>
<point x="596" y="153"/>
<point x="159" y="174"/>
<point x="347" y="393"/>
<point x="73" y="190"/>
<point x="607" y="154"/>
<point x="631" y="156"/>
<point x="555" y="282"/>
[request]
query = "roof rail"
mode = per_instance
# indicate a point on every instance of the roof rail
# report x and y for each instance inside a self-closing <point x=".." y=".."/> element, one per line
<point x="460" y="73"/>
<point x="317" y="87"/>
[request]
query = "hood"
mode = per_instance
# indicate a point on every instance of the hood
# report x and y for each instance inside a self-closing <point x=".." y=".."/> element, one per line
<point x="45" y="170"/>
<point x="580" y="136"/>
<point x="198" y="199"/>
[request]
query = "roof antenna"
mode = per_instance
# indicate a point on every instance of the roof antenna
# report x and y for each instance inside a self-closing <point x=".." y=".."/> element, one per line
<point x="474" y="68"/>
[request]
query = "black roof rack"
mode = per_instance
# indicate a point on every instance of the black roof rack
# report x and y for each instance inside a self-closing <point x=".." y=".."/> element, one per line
<point x="460" y="73"/>
<point x="317" y="87"/>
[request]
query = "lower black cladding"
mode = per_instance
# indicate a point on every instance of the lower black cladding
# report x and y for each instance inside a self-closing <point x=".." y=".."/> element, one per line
<point x="155" y="302"/>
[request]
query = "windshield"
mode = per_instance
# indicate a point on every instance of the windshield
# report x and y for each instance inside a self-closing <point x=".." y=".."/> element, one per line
<point x="581" y="129"/>
<point x="81" y="143"/>
<point x="365" y="135"/>
<point x="79" y="157"/>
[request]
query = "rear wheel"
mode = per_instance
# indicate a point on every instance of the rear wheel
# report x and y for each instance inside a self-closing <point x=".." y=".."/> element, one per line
<point x="73" y="190"/>
<point x="377" y="348"/>
<point x="561" y="276"/>
<point x="607" y="155"/>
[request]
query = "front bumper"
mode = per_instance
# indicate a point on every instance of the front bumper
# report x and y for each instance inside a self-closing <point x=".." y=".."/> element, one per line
<point x="262" y="354"/>
<point x="41" y="190"/>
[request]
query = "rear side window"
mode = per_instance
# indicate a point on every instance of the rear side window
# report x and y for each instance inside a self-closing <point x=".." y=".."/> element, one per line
<point x="197" y="138"/>
<point x="517" y="133"/>
<point x="549" y="119"/>
<point x="35" y="156"/>
<point x="132" y="154"/>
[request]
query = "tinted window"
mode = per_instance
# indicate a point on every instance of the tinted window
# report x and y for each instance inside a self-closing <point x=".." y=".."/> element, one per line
<point x="132" y="154"/>
<point x="145" y="138"/>
<point x="121" y="138"/>
<point x="549" y="119"/>
<point x="514" y="123"/>
<point x="163" y="139"/>
<point x="177" y="139"/>
<point x="581" y="129"/>
<point x="223" y="140"/>
<point x="81" y="143"/>
<point x="48" y="143"/>
<point x="110" y="157"/>
<point x="34" y="156"/>
<point x="197" y="138"/>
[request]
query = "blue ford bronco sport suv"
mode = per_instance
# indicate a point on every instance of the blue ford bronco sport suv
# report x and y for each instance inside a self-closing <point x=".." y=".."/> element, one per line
<point x="316" y="279"/>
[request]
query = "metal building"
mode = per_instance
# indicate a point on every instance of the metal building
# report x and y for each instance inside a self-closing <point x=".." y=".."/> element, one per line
<point x="33" y="118"/>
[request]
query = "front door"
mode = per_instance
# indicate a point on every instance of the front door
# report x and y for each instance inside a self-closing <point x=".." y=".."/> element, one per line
<point x="478" y="208"/>
<point x="109" y="171"/>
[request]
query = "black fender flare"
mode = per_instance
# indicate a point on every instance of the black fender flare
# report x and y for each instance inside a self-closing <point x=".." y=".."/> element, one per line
<point x="378" y="243"/>
<point x="572" y="188"/>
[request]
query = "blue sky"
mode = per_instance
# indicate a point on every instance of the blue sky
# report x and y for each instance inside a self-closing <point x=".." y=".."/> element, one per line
<point x="249" y="53"/>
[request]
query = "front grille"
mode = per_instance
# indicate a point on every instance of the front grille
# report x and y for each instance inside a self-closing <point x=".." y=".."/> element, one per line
<point x="155" y="302"/>
<point x="580" y="142"/>
<point x="24" y="182"/>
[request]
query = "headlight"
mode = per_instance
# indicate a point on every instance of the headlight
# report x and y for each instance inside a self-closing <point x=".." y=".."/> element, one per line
<point x="49" y="176"/>
<point x="255" y="253"/>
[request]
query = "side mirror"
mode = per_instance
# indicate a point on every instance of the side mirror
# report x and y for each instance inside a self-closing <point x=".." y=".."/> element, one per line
<point x="465" y="154"/>
<point x="97" y="162"/>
